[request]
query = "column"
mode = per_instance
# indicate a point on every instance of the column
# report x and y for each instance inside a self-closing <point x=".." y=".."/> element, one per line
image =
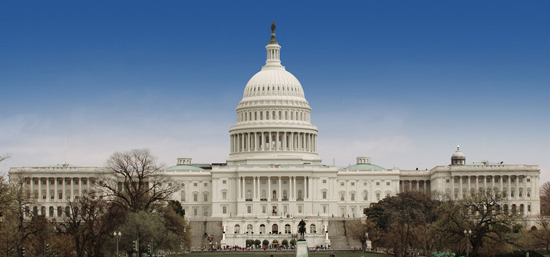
<point x="48" y="188"/>
<point x="55" y="193"/>
<point x="509" y="193"/>
<point x="64" y="190"/>
<point x="248" y="143"/>
<point x="517" y="187"/>
<point x="485" y="183"/>
<point x="308" y="188"/>
<point x="255" y="141"/>
<point x="277" y="141"/>
<point x="295" y="191"/>
<point x="452" y="186"/>
<point x="254" y="188"/>
<point x="469" y="185"/>
<point x="72" y="188"/>
<point x="291" y="139"/>
<point x="241" y="148"/>
<point x="477" y="183"/>
<point x="232" y="143"/>
<point x="269" y="195"/>
<point x="269" y="140"/>
<point x="262" y="141"/>
<point x="279" y="192"/>
<point x="461" y="187"/>
<point x="493" y="183"/>
<point x="79" y="187"/>
<point x="284" y="142"/>
<point x="501" y="185"/>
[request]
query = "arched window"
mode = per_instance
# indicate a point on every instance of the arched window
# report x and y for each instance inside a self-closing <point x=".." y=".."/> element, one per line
<point x="51" y="211"/>
<point x="528" y="192"/>
<point x="195" y="197"/>
<point x="264" y="194"/>
<point x="275" y="229"/>
<point x="67" y="210"/>
<point x="312" y="229"/>
<point x="522" y="208"/>
<point x="352" y="196"/>
<point x="274" y="194"/>
<point x="249" y="229"/>
<point x="237" y="229"/>
<point x="514" y="208"/>
<point x="365" y="195"/>
<point x="262" y="229"/>
<point x="342" y="196"/>
<point x="205" y="196"/>
<point x="59" y="211"/>
<point x="287" y="229"/>
<point x="43" y="210"/>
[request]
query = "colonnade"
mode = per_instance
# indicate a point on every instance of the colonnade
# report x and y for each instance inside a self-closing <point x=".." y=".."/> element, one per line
<point x="512" y="186"/>
<point x="52" y="192"/>
<point x="263" y="188"/>
<point x="416" y="185"/>
<point x="273" y="141"/>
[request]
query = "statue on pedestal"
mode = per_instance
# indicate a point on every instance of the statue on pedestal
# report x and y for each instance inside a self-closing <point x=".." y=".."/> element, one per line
<point x="302" y="230"/>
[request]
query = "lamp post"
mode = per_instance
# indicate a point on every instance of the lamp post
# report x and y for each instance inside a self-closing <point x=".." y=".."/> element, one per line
<point x="117" y="235"/>
<point x="468" y="234"/>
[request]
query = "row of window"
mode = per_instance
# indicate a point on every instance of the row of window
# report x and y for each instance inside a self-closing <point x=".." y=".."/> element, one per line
<point x="273" y="115"/>
<point x="364" y="183"/>
<point x="274" y="229"/>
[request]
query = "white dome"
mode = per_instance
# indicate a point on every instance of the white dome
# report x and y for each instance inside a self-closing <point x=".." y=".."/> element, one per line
<point x="458" y="155"/>
<point x="273" y="82"/>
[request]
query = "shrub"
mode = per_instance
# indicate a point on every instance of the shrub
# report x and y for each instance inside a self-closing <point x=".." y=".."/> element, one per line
<point x="293" y="242"/>
<point x="265" y="242"/>
<point x="285" y="242"/>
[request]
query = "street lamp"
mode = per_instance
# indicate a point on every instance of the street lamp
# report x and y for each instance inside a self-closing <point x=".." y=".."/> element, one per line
<point x="468" y="234"/>
<point x="117" y="235"/>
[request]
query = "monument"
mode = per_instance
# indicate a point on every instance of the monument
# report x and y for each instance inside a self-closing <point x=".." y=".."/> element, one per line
<point x="301" y="245"/>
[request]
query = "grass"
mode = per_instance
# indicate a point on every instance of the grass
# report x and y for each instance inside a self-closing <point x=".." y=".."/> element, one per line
<point x="277" y="254"/>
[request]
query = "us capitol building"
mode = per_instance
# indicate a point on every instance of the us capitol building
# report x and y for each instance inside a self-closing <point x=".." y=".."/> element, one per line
<point x="274" y="178"/>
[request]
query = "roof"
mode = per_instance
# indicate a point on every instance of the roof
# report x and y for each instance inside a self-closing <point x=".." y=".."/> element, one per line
<point x="183" y="168"/>
<point x="364" y="167"/>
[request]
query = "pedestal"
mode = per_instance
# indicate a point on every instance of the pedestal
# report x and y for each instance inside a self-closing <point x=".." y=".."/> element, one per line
<point x="301" y="249"/>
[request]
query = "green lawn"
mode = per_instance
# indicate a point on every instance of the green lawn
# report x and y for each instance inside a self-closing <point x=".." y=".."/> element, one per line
<point x="277" y="254"/>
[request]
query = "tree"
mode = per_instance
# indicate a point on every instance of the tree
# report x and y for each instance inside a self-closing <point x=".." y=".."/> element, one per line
<point x="139" y="183"/>
<point x="481" y="213"/>
<point x="148" y="228"/>
<point x="363" y="231"/>
<point x="18" y="227"/>
<point x="400" y="217"/>
<point x="545" y="198"/>
<point x="89" y="221"/>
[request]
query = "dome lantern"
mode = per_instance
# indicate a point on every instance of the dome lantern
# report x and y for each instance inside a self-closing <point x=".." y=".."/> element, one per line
<point x="458" y="158"/>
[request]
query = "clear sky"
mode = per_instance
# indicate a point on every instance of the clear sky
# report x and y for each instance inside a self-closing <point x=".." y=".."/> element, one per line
<point x="401" y="81"/>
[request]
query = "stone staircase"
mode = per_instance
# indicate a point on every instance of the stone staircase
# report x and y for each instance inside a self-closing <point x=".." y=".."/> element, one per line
<point x="338" y="235"/>
<point x="198" y="230"/>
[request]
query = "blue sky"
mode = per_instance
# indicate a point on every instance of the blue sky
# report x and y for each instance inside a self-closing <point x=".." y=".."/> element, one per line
<point x="400" y="81"/>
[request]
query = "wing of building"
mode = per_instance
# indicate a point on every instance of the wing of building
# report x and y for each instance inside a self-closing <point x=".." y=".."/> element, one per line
<point x="274" y="178"/>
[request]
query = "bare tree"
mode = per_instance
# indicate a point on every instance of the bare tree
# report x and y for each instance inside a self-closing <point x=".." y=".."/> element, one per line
<point x="139" y="183"/>
<point x="545" y="198"/>
<point x="89" y="220"/>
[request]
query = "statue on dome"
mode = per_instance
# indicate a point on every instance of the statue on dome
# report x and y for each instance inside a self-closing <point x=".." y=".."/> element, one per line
<point x="273" y="27"/>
